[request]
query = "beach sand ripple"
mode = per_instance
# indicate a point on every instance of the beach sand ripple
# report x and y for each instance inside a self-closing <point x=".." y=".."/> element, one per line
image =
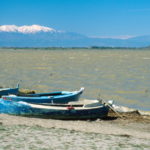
<point x="35" y="133"/>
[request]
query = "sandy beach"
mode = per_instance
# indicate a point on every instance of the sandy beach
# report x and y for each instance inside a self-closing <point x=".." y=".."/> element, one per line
<point x="132" y="131"/>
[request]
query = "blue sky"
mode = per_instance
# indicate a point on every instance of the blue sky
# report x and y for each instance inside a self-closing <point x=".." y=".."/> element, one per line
<point x="100" y="18"/>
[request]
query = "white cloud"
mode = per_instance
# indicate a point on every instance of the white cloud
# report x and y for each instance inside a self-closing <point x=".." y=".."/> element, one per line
<point x="25" y="29"/>
<point x="123" y="37"/>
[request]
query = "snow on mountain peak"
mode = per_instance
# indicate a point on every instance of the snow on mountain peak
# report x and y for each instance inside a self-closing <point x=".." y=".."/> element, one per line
<point x="25" y="29"/>
<point x="8" y="28"/>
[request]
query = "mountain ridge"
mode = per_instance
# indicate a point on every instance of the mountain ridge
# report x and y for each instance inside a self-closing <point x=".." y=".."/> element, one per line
<point x="41" y="36"/>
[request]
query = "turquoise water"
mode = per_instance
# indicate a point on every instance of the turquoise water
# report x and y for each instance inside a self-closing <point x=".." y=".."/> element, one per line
<point x="121" y="75"/>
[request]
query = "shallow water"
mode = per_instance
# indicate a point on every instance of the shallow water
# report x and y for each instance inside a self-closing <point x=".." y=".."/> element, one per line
<point x="121" y="75"/>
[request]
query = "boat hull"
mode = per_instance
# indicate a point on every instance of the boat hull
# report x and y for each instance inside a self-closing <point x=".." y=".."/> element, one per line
<point x="8" y="91"/>
<point x="55" y="97"/>
<point x="53" y="112"/>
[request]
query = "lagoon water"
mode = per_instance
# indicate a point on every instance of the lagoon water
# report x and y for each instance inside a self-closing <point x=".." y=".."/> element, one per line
<point x="121" y="75"/>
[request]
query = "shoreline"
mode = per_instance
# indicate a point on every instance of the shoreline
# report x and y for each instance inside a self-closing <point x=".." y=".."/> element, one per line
<point x="130" y="124"/>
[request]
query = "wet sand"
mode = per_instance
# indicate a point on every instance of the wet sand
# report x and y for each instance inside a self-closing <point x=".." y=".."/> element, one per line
<point x="132" y="131"/>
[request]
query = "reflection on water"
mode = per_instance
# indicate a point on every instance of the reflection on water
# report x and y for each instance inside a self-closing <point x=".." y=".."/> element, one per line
<point x="120" y="75"/>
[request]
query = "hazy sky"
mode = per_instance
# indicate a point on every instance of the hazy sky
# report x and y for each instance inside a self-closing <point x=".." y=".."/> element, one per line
<point x="90" y="17"/>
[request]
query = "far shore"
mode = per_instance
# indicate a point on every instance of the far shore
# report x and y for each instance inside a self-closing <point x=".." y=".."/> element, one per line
<point x="75" y="48"/>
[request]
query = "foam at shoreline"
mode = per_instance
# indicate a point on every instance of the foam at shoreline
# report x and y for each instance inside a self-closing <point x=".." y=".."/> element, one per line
<point x="124" y="109"/>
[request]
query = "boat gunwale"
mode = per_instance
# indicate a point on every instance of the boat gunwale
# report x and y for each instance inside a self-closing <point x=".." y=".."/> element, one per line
<point x="65" y="108"/>
<point x="71" y="93"/>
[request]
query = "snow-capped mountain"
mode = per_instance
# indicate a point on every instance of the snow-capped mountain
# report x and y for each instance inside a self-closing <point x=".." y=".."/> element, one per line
<point x="25" y="29"/>
<point x="41" y="36"/>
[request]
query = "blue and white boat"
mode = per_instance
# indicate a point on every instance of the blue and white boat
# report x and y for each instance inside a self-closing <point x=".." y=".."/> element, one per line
<point x="92" y="109"/>
<point x="7" y="91"/>
<point x="53" y="97"/>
